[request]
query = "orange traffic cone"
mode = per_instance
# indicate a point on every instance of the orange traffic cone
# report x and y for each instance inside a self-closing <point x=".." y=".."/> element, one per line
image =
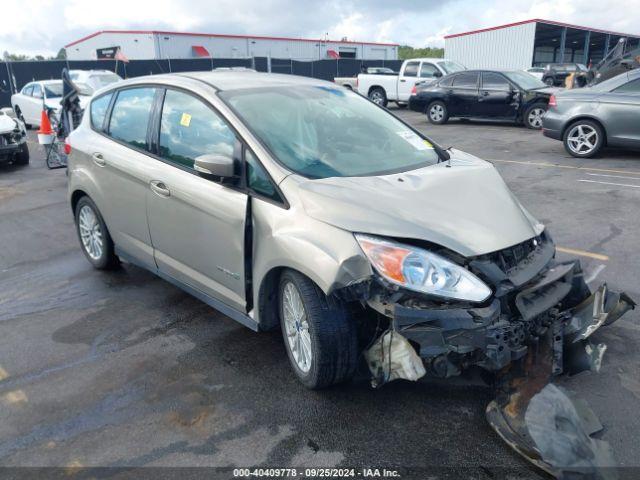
<point x="45" y="134"/>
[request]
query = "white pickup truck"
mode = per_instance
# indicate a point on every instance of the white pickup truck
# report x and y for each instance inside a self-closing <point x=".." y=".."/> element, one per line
<point x="382" y="89"/>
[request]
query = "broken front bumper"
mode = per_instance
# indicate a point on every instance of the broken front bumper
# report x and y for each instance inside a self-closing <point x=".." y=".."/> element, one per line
<point x="451" y="339"/>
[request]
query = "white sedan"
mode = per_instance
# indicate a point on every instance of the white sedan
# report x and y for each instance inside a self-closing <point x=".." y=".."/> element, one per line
<point x="34" y="96"/>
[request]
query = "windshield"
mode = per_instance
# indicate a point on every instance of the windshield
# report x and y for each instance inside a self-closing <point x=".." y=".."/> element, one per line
<point x="102" y="80"/>
<point x="525" y="80"/>
<point x="53" y="89"/>
<point x="322" y="132"/>
<point x="451" y="67"/>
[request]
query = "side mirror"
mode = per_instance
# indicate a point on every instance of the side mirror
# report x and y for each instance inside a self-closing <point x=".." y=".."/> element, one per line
<point x="437" y="74"/>
<point x="215" y="165"/>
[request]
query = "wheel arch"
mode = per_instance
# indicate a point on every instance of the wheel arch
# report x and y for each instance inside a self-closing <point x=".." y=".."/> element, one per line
<point x="375" y="87"/>
<point x="76" y="195"/>
<point x="584" y="117"/>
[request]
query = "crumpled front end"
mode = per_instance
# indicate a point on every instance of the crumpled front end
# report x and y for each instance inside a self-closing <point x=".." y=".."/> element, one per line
<point x="533" y="295"/>
<point x="537" y="325"/>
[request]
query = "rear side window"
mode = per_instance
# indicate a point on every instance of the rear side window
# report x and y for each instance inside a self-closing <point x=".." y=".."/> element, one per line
<point x="494" y="81"/>
<point x="189" y="128"/>
<point x="28" y="90"/>
<point x="411" y="69"/>
<point x="466" y="80"/>
<point x="99" y="108"/>
<point x="130" y="116"/>
<point x="630" y="87"/>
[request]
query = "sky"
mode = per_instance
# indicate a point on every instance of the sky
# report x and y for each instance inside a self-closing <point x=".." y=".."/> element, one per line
<point x="44" y="26"/>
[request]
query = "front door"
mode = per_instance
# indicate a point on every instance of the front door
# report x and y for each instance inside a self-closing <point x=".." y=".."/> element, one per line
<point x="407" y="79"/>
<point x="197" y="224"/>
<point x="622" y="106"/>
<point x="496" y="98"/>
<point x="34" y="105"/>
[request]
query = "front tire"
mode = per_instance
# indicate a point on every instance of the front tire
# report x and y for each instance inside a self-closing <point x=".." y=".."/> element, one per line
<point x="94" y="237"/>
<point x="583" y="139"/>
<point x="22" y="157"/>
<point x="319" y="335"/>
<point x="549" y="81"/>
<point x="437" y="112"/>
<point x="533" y="116"/>
<point x="378" y="96"/>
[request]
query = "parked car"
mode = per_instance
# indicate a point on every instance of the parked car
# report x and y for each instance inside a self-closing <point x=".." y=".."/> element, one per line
<point x="537" y="72"/>
<point x="93" y="79"/>
<point x="13" y="139"/>
<point x="352" y="82"/>
<point x="35" y="96"/>
<point x="588" y="119"/>
<point x="291" y="202"/>
<point x="382" y="89"/>
<point x="556" y="73"/>
<point x="483" y="94"/>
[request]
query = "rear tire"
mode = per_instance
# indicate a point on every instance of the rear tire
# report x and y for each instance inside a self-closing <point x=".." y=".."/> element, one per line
<point x="549" y="81"/>
<point x="22" y="157"/>
<point x="583" y="139"/>
<point x="94" y="237"/>
<point x="319" y="327"/>
<point x="533" y="116"/>
<point x="378" y="96"/>
<point x="437" y="112"/>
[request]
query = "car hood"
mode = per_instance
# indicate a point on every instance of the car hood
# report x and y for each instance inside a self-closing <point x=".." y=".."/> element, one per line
<point x="466" y="207"/>
<point x="7" y="124"/>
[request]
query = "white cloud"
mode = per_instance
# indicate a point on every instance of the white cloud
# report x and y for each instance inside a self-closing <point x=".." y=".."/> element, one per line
<point x="43" y="26"/>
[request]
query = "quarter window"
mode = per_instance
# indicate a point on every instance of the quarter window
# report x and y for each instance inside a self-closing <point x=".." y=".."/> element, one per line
<point x="630" y="87"/>
<point x="99" y="108"/>
<point x="411" y="69"/>
<point x="28" y="90"/>
<point x="466" y="80"/>
<point x="257" y="178"/>
<point x="189" y="128"/>
<point x="494" y="81"/>
<point x="130" y="116"/>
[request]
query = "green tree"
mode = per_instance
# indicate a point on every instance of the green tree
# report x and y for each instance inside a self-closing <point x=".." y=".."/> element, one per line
<point x="62" y="55"/>
<point x="14" y="57"/>
<point x="406" y="51"/>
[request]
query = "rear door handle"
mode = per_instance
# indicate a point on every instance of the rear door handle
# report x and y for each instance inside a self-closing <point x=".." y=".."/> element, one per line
<point x="159" y="188"/>
<point x="98" y="159"/>
<point x="402" y="80"/>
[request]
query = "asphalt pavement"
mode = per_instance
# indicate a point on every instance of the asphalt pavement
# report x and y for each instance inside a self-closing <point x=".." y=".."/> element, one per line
<point x="123" y="370"/>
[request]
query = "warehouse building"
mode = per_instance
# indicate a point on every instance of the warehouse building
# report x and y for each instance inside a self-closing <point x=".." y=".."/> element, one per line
<point x="140" y="45"/>
<point x="530" y="43"/>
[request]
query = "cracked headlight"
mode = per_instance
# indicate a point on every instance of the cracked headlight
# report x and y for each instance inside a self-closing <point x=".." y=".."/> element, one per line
<point x="422" y="271"/>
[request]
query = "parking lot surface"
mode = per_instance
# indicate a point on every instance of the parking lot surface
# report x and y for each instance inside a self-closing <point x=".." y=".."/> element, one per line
<point x="121" y="369"/>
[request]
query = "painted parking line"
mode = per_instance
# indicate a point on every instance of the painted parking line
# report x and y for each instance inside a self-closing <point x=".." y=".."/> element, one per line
<point x="626" y="177"/>
<point x="570" y="167"/>
<point x="583" y="253"/>
<point x="610" y="183"/>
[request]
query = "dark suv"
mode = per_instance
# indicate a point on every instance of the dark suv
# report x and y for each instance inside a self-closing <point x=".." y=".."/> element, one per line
<point x="556" y="73"/>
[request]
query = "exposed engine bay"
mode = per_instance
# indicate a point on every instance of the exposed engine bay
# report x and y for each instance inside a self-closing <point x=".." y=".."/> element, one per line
<point x="13" y="136"/>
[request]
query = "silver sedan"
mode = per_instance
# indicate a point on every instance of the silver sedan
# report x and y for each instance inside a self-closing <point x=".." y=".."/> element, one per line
<point x="607" y="114"/>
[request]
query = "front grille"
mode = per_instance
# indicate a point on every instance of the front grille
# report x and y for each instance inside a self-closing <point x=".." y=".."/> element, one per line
<point x="511" y="257"/>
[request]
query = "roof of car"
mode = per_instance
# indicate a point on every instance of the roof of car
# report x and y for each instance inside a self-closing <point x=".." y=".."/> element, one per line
<point x="227" y="79"/>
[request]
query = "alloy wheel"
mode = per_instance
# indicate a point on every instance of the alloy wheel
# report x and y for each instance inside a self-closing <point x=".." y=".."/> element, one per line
<point x="90" y="232"/>
<point x="296" y="327"/>
<point x="582" y="139"/>
<point x="377" y="98"/>
<point x="535" y="117"/>
<point x="436" y="113"/>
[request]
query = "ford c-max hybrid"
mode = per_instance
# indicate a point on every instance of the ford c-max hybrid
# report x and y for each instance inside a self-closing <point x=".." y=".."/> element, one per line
<point x="291" y="202"/>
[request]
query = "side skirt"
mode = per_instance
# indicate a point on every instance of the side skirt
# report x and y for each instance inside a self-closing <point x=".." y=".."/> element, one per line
<point x="223" y="308"/>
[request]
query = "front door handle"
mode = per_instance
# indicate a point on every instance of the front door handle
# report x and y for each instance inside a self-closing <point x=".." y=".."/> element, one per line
<point x="98" y="159"/>
<point x="159" y="188"/>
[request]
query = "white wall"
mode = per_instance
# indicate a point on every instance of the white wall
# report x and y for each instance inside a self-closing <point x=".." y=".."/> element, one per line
<point x="146" y="46"/>
<point x="509" y="48"/>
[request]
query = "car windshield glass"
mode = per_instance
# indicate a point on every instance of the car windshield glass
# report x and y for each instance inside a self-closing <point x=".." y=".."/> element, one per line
<point x="103" y="80"/>
<point x="451" y="67"/>
<point x="53" y="89"/>
<point x="524" y="80"/>
<point x="322" y="131"/>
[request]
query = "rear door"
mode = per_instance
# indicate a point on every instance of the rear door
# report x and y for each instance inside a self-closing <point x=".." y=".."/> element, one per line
<point x="496" y="98"/>
<point x="197" y="225"/>
<point x="407" y="79"/>
<point x="122" y="164"/>
<point x="622" y="110"/>
<point x="463" y="94"/>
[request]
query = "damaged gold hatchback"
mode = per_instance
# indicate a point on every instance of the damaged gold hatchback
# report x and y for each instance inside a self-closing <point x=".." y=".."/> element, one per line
<point x="289" y="202"/>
